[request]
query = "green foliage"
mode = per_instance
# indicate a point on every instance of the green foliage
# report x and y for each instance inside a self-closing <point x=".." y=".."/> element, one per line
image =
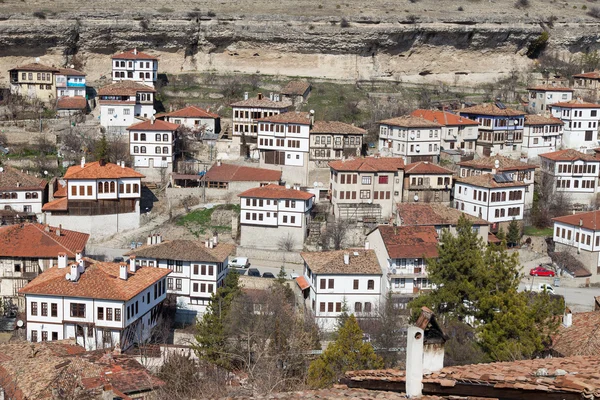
<point x="501" y="235"/>
<point x="199" y="222"/>
<point x="514" y="233"/>
<point x="347" y="353"/>
<point x="343" y="316"/>
<point x="102" y="148"/>
<point x="538" y="45"/>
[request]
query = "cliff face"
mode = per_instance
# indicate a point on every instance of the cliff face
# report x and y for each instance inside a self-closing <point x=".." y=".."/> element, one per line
<point x="319" y="47"/>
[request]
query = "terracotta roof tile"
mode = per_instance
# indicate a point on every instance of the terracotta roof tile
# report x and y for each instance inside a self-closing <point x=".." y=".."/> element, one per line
<point x="445" y="118"/>
<point x="434" y="214"/>
<point x="70" y="72"/>
<point x="589" y="75"/>
<point x="410" y="121"/>
<point x="336" y="127"/>
<point x="338" y="392"/>
<point x="13" y="179"/>
<point x="302" y="283"/>
<point x="491" y="109"/>
<point x="488" y="181"/>
<point x="575" y="103"/>
<point x="506" y="164"/>
<point x="425" y="167"/>
<point x="332" y="262"/>
<point x="32" y="240"/>
<point x="265" y="102"/>
<point x="368" y="164"/>
<point x="568" y="155"/>
<point x="94" y="170"/>
<point x="35" y="67"/>
<point x="185" y="250"/>
<point x="239" y="173"/>
<point x="133" y="54"/>
<point x="157" y="125"/>
<point x="192" y="112"/>
<point x="409" y="241"/>
<point x="295" y="88"/>
<point x="588" y="220"/>
<point x="550" y="88"/>
<point x="276" y="192"/>
<point x="71" y="103"/>
<point x="100" y="280"/>
<point x="61" y="204"/>
<point x="582" y="338"/>
<point x="124" y="88"/>
<point x="534" y="119"/>
<point x="290" y="117"/>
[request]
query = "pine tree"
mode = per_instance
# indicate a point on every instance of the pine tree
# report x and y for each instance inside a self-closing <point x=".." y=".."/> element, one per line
<point x="348" y="352"/>
<point x="514" y="233"/>
<point x="501" y="235"/>
<point x="102" y="148"/>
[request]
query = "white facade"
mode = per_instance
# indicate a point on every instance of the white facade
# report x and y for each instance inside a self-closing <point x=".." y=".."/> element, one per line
<point x="114" y="114"/>
<point x="578" y="179"/>
<point x="290" y="140"/>
<point x="275" y="212"/>
<point x="540" y="98"/>
<point x="410" y="143"/>
<point x="541" y="138"/>
<point x="142" y="71"/>
<point x="581" y="124"/>
<point x="493" y="204"/>
<point x="152" y="149"/>
<point x="103" y="189"/>
<point x="208" y="124"/>
<point x="70" y="85"/>
<point x="248" y="111"/>
<point x="28" y="201"/>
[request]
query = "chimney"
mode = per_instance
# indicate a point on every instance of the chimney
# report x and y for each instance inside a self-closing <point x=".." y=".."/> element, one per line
<point x="62" y="260"/>
<point x="58" y="230"/>
<point x="158" y="238"/>
<point x="312" y="118"/>
<point x="101" y="162"/>
<point x="132" y="267"/>
<point x="123" y="271"/>
<point x="153" y="238"/>
<point x="78" y="255"/>
<point x="276" y="97"/>
<point x="18" y="184"/>
<point x="47" y="228"/>
<point x="82" y="162"/>
<point x="149" y="240"/>
<point x="567" y="318"/>
<point x="152" y="120"/>
<point x="366" y="245"/>
<point x="81" y="266"/>
<point x="135" y="51"/>
<point x="122" y="164"/>
<point x="210" y="244"/>
<point x="245" y="95"/>
<point x="218" y="163"/>
<point x="271" y="96"/>
<point x="346" y="258"/>
<point x="260" y="96"/>
<point x="74" y="272"/>
<point x="206" y="243"/>
<point x="216" y="239"/>
<point x="414" y="361"/>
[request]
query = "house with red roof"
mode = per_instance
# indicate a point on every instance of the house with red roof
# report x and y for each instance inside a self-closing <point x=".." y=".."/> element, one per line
<point x="410" y="137"/>
<point x="124" y="103"/>
<point x="541" y="134"/>
<point x="135" y="66"/>
<point x="427" y="182"/>
<point x="34" y="80"/>
<point x="101" y="199"/>
<point x="195" y="118"/>
<point x="70" y="83"/>
<point x="458" y="132"/>
<point x="587" y="82"/>
<point x="22" y="192"/>
<point x="99" y="304"/>
<point x="581" y="122"/>
<point x="272" y="214"/>
<point x="541" y="97"/>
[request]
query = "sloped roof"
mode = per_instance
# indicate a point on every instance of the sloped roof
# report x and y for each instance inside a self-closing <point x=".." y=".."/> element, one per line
<point x="133" y="54"/>
<point x="336" y="127"/>
<point x="192" y="112"/>
<point x="100" y="280"/>
<point x="71" y="103"/>
<point x="332" y="262"/>
<point x="60" y="204"/>
<point x="14" y="179"/>
<point x="185" y="250"/>
<point x="568" y="155"/>
<point x="488" y="181"/>
<point x="239" y="173"/>
<point x="445" y="118"/>
<point x="409" y="241"/>
<point x="32" y="240"/>
<point x="434" y="214"/>
<point x="533" y="119"/>
<point x="506" y="164"/>
<point x="35" y="67"/>
<point x="124" y="88"/>
<point x="550" y="88"/>
<point x="93" y="170"/>
<point x="425" y="167"/>
<point x="575" y="103"/>
<point x="277" y="192"/>
<point x="290" y="117"/>
<point x="368" y="164"/>
<point x="70" y="72"/>
<point x="588" y="75"/>
<point x="492" y="110"/>
<point x="265" y="102"/>
<point x="589" y="220"/>
<point x="295" y="88"/>
<point x="302" y="283"/>
<point x="410" y="121"/>
<point x="582" y="338"/>
<point x="157" y="125"/>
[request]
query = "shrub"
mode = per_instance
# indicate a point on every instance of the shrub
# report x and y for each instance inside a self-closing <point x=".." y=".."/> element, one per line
<point x="522" y="3"/>
<point x="344" y="23"/>
<point x="320" y="6"/>
<point x="461" y="8"/>
<point x="212" y="14"/>
<point x="538" y="45"/>
<point x="39" y="14"/>
<point x="594" y="12"/>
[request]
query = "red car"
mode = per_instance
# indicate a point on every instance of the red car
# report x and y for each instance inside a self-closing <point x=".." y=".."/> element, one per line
<point x="541" y="271"/>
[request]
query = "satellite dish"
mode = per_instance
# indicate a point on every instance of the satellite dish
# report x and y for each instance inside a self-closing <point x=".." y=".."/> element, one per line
<point x="416" y="197"/>
<point x="20" y="323"/>
<point x="45" y="172"/>
<point x="68" y="277"/>
<point x="114" y="116"/>
<point x="153" y="111"/>
<point x="316" y="184"/>
<point x="394" y="271"/>
<point x="37" y="59"/>
<point x="1" y="169"/>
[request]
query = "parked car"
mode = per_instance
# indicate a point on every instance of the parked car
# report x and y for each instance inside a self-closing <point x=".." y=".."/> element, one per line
<point x="541" y="271"/>
<point x="254" y="272"/>
<point x="118" y="259"/>
<point x="543" y="287"/>
<point x="268" y="275"/>
<point x="239" y="262"/>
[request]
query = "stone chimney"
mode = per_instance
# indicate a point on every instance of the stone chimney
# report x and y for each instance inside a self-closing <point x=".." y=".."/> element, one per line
<point x="216" y="238"/>
<point x="414" y="361"/>
<point x="367" y="245"/>
<point x="62" y="260"/>
<point x="135" y="51"/>
<point x="82" y="162"/>
<point x="74" y="272"/>
<point x="132" y="266"/>
<point x="149" y="240"/>
<point x="245" y="95"/>
<point x="260" y="96"/>
<point x="123" y="271"/>
<point x="78" y="255"/>
<point x="58" y="230"/>
<point x="567" y="318"/>
<point x="346" y="258"/>
<point x="158" y="238"/>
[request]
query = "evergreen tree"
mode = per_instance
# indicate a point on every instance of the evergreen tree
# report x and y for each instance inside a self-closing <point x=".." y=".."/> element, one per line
<point x="348" y="352"/>
<point x="514" y="233"/>
<point x="501" y="235"/>
<point x="102" y="148"/>
<point x="344" y="315"/>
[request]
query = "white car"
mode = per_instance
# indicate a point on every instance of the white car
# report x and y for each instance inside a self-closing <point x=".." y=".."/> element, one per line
<point x="543" y="287"/>
<point x="239" y="262"/>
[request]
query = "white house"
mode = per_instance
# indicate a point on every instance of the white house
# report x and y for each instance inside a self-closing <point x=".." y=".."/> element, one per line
<point x="541" y="134"/>
<point x="247" y="111"/>
<point x="494" y="198"/>
<point x="152" y="147"/>
<point x="99" y="304"/>
<point x="412" y="138"/>
<point x="581" y="123"/>
<point x="21" y="191"/>
<point x="339" y="279"/>
<point x="402" y="252"/>
<point x="272" y="213"/>
<point x="69" y="83"/>
<point x="334" y="140"/>
<point x="122" y="102"/>
<point x="135" y="66"/>
<point x="102" y="199"/>
<point x="457" y="132"/>
<point x="543" y="96"/>
<point x="198" y="268"/>
<point x="574" y="173"/>
<point x="195" y="118"/>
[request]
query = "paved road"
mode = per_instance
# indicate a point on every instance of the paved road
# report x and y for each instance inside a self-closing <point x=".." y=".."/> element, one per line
<point x="578" y="299"/>
<point x="273" y="270"/>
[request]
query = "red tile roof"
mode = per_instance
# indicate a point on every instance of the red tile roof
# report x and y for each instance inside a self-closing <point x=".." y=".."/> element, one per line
<point x="368" y="164"/>
<point x="157" y="125"/>
<point x="582" y="338"/>
<point x="124" y="88"/>
<point x="409" y="241"/>
<point x="133" y="54"/>
<point x="550" y="88"/>
<point x="32" y="240"/>
<point x="506" y="164"/>
<point x="192" y="112"/>
<point x="35" y="67"/>
<point x="100" y="280"/>
<point x="588" y="75"/>
<point x="94" y="170"/>
<point x="264" y="102"/>
<point x="533" y="119"/>
<point x="185" y="250"/>
<point x="277" y="192"/>
<point x="425" y="167"/>
<point x="71" y="103"/>
<point x="295" y="88"/>
<point x="239" y="173"/>
<point x="14" y="179"/>
<point x="332" y="262"/>
<point x="575" y="103"/>
<point x="70" y="72"/>
<point x="568" y="155"/>
<point x="302" y="283"/>
<point x="61" y="204"/>
<point x="491" y="109"/>
<point x="290" y="117"/>
<point x="336" y="127"/>
<point x="434" y="214"/>
<point x="61" y="190"/>
<point x="444" y="117"/>
<point x="589" y="220"/>
<point x="487" y="181"/>
<point x="410" y="121"/>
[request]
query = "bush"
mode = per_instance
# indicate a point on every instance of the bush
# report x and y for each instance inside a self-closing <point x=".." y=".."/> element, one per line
<point x="594" y="12"/>
<point x="344" y="23"/>
<point x="39" y="14"/>
<point x="461" y="8"/>
<point x="212" y="14"/>
<point x="538" y="45"/>
<point x="522" y="3"/>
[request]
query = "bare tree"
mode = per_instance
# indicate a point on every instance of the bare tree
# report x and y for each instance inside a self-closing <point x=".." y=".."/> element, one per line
<point x="550" y="202"/>
<point x="286" y="243"/>
<point x="335" y="235"/>
<point x="231" y="87"/>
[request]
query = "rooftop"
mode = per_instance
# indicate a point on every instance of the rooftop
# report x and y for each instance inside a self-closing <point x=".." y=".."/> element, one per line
<point x="332" y="262"/>
<point x="133" y="54"/>
<point x="588" y="220"/>
<point x="368" y="164"/>
<point x="239" y="173"/>
<point x="71" y="103"/>
<point x="39" y="241"/>
<point x="589" y="75"/>
<point x="290" y="117"/>
<point x="488" y="181"/>
<point x="491" y="110"/>
<point x="60" y="204"/>
<point x="35" y="67"/>
<point x="263" y="102"/>
<point x="505" y="163"/>
<point x="445" y="118"/>
<point x="98" y="170"/>
<point x="14" y="179"/>
<point x="434" y="214"/>
<point x="410" y="121"/>
<point x="124" y="88"/>
<point x="100" y="280"/>
<point x="336" y="127"/>
<point x="192" y="112"/>
<point x="277" y="192"/>
<point x="581" y="338"/>
<point x="550" y="88"/>
<point x="575" y="103"/>
<point x="295" y="88"/>
<point x="70" y="72"/>
<point x="425" y="167"/>
<point x="157" y="125"/>
<point x="534" y="119"/>
<point x="409" y="241"/>
<point x="568" y="155"/>
<point x="184" y="250"/>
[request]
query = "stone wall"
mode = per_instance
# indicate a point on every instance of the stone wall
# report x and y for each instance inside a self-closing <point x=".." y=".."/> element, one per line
<point x="272" y="258"/>
<point x="97" y="225"/>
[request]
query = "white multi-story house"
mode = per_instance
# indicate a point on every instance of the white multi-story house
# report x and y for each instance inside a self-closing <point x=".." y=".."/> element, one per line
<point x="581" y="123"/>
<point x="543" y="96"/>
<point x="246" y="112"/>
<point x="412" y="138"/>
<point x="272" y="213"/>
<point x="366" y="189"/>
<point x="99" y="304"/>
<point x="457" y="132"/>
<point x="573" y="173"/>
<point x="101" y="199"/>
<point x="152" y="147"/>
<point x="121" y="102"/>
<point x="22" y="192"/>
<point x="195" y="118"/>
<point x="333" y="140"/>
<point x="198" y="268"/>
<point x="136" y="66"/>
<point x="70" y="83"/>
<point x="541" y="134"/>
<point x="342" y="280"/>
<point x="427" y="182"/>
<point x="517" y="170"/>
<point x="494" y="198"/>
<point x="402" y="252"/>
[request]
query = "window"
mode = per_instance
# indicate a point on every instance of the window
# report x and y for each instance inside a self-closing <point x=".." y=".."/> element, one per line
<point x="34" y="336"/>
<point x="383" y="179"/>
<point x="365" y="194"/>
<point x="158" y="137"/>
<point x="54" y="336"/>
<point x="34" y="308"/>
<point x="78" y="310"/>
<point x="321" y="307"/>
<point x="54" y="310"/>
<point x="366" y="180"/>
<point x="329" y="307"/>
<point x="117" y="314"/>
<point x="126" y="111"/>
<point x="322" y="284"/>
<point x="165" y="150"/>
<point x="157" y="149"/>
<point x="100" y="313"/>
<point x="357" y="307"/>
<point x="331" y="284"/>
<point x="44" y="333"/>
<point x="109" y="314"/>
<point x="356" y="284"/>
<point x="143" y="149"/>
<point x="338" y="307"/>
<point x="44" y="309"/>
<point x="367" y="307"/>
<point x="371" y="284"/>
<point x="178" y="284"/>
